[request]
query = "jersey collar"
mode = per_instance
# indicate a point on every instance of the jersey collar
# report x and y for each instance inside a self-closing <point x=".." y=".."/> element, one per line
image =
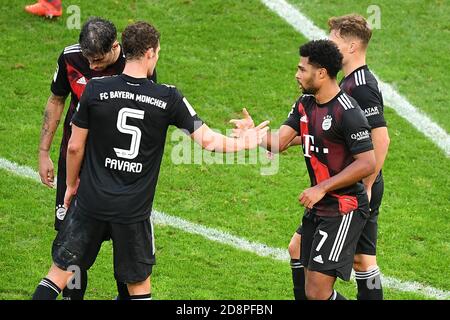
<point x="127" y="78"/>
<point x="330" y="101"/>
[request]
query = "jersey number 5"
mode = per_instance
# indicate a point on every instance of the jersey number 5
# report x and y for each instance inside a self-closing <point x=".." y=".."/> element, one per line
<point x="135" y="132"/>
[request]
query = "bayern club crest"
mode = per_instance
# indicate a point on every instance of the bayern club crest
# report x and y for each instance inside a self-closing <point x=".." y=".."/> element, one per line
<point x="326" y="124"/>
<point x="61" y="212"/>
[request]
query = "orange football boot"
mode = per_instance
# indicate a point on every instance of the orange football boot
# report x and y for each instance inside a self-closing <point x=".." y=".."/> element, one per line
<point x="44" y="9"/>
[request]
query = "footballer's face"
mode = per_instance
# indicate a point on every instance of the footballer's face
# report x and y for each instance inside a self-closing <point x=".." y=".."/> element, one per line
<point x="307" y="76"/>
<point x="102" y="61"/>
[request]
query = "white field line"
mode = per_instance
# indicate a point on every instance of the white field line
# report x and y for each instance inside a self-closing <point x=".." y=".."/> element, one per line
<point x="259" y="249"/>
<point x="403" y="107"/>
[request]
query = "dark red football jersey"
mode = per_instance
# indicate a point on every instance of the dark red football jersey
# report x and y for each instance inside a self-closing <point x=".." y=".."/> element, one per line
<point x="331" y="134"/>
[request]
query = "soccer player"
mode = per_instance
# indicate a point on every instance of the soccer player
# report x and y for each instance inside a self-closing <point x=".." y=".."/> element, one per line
<point x="98" y="53"/>
<point x="119" y="133"/>
<point x="351" y="33"/>
<point x="45" y="8"/>
<point x="338" y="151"/>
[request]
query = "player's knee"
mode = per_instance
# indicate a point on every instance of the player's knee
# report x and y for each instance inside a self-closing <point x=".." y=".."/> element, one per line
<point x="294" y="247"/>
<point x="139" y="288"/>
<point x="362" y="263"/>
<point x="314" y="292"/>
<point x="294" y="250"/>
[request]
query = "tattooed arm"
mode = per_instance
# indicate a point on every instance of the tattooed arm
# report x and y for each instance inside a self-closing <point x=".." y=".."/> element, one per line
<point x="52" y="117"/>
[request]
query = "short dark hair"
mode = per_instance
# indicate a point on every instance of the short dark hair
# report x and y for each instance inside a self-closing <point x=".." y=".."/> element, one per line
<point x="323" y="54"/>
<point x="137" y="38"/>
<point x="353" y="25"/>
<point x="97" y="36"/>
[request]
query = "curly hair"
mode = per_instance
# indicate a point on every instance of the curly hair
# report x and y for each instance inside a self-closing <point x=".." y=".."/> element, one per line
<point x="323" y="54"/>
<point x="97" y="36"/>
<point x="137" y="38"/>
<point x="351" y="25"/>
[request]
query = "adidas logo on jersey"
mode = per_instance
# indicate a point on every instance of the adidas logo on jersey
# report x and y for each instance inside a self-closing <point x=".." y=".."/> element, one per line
<point x="82" y="81"/>
<point x="360" y="78"/>
<point x="345" y="102"/>
<point x="318" y="259"/>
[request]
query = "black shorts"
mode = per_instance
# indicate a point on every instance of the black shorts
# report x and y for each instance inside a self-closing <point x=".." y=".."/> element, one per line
<point x="367" y="243"/>
<point x="80" y="238"/>
<point x="299" y="229"/>
<point x="329" y="243"/>
<point x="60" y="211"/>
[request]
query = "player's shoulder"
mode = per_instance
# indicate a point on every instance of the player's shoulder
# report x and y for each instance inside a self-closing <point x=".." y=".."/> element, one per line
<point x="72" y="55"/>
<point x="365" y="79"/>
<point x="166" y="90"/>
<point x="306" y="99"/>
<point x="369" y="76"/>
<point x="346" y="108"/>
<point x="72" y="50"/>
<point x="346" y="102"/>
<point x="99" y="83"/>
<point x="104" y="79"/>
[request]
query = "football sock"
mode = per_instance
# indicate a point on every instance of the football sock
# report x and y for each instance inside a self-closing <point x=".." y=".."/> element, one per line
<point x="77" y="294"/>
<point x="336" y="296"/>
<point x="142" y="297"/>
<point x="298" y="279"/>
<point x="46" y="290"/>
<point x="122" y="289"/>
<point x="369" y="285"/>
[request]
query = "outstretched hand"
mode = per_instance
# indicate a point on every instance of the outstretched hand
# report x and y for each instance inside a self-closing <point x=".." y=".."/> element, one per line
<point x="253" y="137"/>
<point x="241" y="125"/>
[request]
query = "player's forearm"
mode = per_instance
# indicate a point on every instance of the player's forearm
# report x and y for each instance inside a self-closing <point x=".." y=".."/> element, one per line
<point x="297" y="141"/>
<point x="213" y="141"/>
<point x="369" y="181"/>
<point x="52" y="117"/>
<point x="224" y="144"/>
<point x="381" y="141"/>
<point x="273" y="143"/>
<point x="74" y="159"/>
<point x="356" y="171"/>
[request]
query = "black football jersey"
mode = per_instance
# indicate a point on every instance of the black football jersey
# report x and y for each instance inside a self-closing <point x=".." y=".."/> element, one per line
<point x="362" y="86"/>
<point x="331" y="134"/>
<point x="71" y="76"/>
<point x="127" y="120"/>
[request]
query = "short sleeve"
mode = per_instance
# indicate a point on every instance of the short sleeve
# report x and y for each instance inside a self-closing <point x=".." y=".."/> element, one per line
<point x="372" y="104"/>
<point x="356" y="131"/>
<point x="81" y="116"/>
<point x="293" y="119"/>
<point x="60" y="84"/>
<point x="182" y="114"/>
